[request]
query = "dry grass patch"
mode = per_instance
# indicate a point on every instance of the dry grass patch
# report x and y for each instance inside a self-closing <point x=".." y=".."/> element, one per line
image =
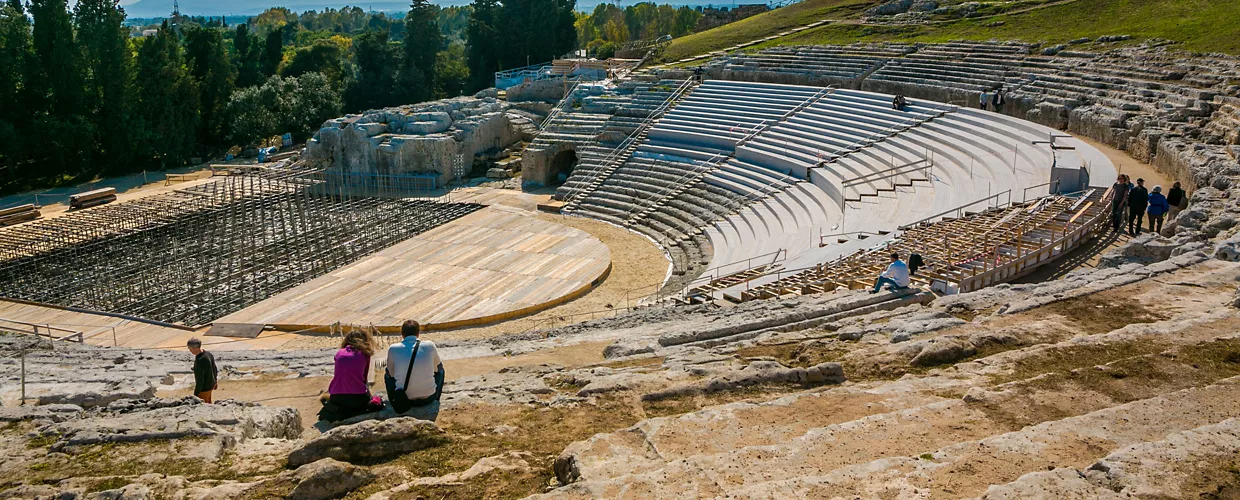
<point x="474" y="433"/>
<point x="1102" y="314"/>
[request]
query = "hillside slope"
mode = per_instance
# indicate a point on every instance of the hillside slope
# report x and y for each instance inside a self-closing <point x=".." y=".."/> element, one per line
<point x="1198" y="25"/>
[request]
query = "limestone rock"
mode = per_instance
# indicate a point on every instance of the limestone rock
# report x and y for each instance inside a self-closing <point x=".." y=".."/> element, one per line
<point x="369" y="440"/>
<point x="327" y="478"/>
<point x="145" y="420"/>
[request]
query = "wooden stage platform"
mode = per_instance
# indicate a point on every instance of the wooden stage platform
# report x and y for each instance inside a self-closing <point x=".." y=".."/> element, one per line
<point x="494" y="264"/>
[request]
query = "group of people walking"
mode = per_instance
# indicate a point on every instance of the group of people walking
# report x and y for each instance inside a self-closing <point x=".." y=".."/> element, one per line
<point x="413" y="377"/>
<point x="992" y="101"/>
<point x="1133" y="202"/>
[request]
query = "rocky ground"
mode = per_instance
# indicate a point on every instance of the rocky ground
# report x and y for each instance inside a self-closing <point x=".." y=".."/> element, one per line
<point x="1117" y="381"/>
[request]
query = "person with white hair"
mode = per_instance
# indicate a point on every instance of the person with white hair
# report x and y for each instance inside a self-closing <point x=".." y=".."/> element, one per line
<point x="1158" y="209"/>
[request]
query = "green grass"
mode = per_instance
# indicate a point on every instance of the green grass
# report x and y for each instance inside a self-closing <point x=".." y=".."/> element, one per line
<point x="1198" y="25"/>
<point x="763" y="25"/>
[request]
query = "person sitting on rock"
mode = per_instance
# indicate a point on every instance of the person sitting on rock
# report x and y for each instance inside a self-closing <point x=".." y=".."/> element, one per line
<point x="415" y="373"/>
<point x="1138" y="200"/>
<point x="1158" y="209"/>
<point x="896" y="276"/>
<point x="206" y="375"/>
<point x="348" y="395"/>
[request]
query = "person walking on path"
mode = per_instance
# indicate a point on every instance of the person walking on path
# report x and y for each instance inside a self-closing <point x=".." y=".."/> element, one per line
<point x="896" y="276"/>
<point x="1119" y="200"/>
<point x="415" y="373"/>
<point x="206" y="375"/>
<point x="1138" y="200"/>
<point x="983" y="100"/>
<point x="1158" y="208"/>
<point x="1177" y="199"/>
<point x="348" y="395"/>
<point x="998" y="101"/>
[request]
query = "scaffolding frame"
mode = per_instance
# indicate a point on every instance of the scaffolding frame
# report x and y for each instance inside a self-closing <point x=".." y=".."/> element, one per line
<point x="194" y="255"/>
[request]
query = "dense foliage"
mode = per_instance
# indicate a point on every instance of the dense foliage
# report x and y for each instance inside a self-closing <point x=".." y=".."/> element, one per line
<point x="609" y="27"/>
<point x="84" y="93"/>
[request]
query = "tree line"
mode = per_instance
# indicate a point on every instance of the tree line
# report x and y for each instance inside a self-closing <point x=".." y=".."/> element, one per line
<point x="83" y="95"/>
<point x="609" y="27"/>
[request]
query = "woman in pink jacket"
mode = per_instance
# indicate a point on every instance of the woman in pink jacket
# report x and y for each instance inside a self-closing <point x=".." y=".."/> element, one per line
<point x="349" y="391"/>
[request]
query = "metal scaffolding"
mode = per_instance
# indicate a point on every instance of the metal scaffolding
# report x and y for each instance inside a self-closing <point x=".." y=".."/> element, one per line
<point x="194" y="255"/>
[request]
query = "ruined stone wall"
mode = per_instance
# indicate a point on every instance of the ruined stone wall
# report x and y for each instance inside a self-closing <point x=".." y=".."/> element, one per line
<point x="423" y="138"/>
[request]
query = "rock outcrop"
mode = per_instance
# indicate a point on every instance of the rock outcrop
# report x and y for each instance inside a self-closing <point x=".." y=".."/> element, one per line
<point x="369" y="440"/>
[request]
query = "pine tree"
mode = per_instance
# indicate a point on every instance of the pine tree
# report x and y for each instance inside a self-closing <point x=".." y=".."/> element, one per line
<point x="167" y="101"/>
<point x="65" y="136"/>
<point x="422" y="44"/>
<point x="481" y="43"/>
<point x="16" y="56"/>
<point x="273" y="52"/>
<point x="246" y="57"/>
<point x="375" y="83"/>
<point x="216" y="79"/>
<point x="109" y="62"/>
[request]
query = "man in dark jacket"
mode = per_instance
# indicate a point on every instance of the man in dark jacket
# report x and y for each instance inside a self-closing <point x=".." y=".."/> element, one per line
<point x="1119" y="200"/>
<point x="206" y="375"/>
<point x="1138" y="200"/>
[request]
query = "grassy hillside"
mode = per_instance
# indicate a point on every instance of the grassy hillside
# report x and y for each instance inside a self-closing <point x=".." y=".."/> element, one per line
<point x="763" y="25"/>
<point x="1200" y="25"/>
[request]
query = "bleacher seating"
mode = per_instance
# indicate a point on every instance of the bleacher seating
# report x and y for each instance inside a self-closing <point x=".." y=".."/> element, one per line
<point x="737" y="169"/>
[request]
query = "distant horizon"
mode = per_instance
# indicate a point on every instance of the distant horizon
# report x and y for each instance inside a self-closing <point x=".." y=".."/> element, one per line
<point x="155" y="9"/>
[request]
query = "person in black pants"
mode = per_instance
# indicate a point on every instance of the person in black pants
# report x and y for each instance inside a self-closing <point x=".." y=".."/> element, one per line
<point x="1138" y="200"/>
<point x="1119" y="200"/>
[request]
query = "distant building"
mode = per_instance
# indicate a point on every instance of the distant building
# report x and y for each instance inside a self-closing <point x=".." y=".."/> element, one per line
<point x="149" y="33"/>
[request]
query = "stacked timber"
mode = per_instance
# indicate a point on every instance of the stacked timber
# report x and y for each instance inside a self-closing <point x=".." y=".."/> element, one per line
<point x="92" y="198"/>
<point x="19" y="214"/>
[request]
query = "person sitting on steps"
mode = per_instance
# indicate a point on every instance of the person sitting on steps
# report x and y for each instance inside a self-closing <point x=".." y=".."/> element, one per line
<point x="899" y="102"/>
<point x="896" y="275"/>
<point x="415" y="373"/>
<point x="348" y="395"/>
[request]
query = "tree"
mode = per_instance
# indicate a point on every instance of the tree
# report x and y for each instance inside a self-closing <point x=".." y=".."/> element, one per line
<point x="16" y="56"/>
<point x="323" y="56"/>
<point x="451" y="72"/>
<point x="482" y="43"/>
<point x="423" y="41"/>
<point x="167" y="101"/>
<point x="375" y="83"/>
<point x="273" y="52"/>
<point x="246" y="57"/>
<point x="293" y="105"/>
<point x="64" y="132"/>
<point x="216" y="78"/>
<point x="109" y="62"/>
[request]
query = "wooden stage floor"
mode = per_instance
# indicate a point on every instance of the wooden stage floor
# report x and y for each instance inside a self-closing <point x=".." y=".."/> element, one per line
<point x="490" y="265"/>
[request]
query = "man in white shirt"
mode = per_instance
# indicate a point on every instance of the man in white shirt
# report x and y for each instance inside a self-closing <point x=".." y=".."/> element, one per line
<point x="419" y="384"/>
<point x="896" y="275"/>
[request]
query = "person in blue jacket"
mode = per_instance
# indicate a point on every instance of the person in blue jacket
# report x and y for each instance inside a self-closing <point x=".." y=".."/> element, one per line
<point x="1158" y="209"/>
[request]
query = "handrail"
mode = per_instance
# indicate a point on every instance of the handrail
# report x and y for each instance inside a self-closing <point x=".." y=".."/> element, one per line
<point x="73" y="335"/>
<point x="560" y="108"/>
<point x="628" y="141"/>
<point x="890" y="172"/>
<point x="748" y="266"/>
<point x="1024" y="195"/>
<point x="680" y="184"/>
<point x="885" y="133"/>
<point x="958" y="209"/>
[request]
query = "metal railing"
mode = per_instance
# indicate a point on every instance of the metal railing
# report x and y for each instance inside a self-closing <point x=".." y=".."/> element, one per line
<point x="560" y="108"/>
<point x="632" y="138"/>
<point x="42" y="330"/>
<point x="959" y="211"/>
<point x="879" y="136"/>
<point x="1024" y="195"/>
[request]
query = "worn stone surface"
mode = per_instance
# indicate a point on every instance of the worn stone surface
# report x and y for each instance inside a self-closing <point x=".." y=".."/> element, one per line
<point x="327" y="478"/>
<point x="369" y="440"/>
